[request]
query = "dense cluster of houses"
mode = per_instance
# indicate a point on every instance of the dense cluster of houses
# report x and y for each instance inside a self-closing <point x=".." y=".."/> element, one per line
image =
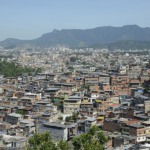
<point x="115" y="101"/>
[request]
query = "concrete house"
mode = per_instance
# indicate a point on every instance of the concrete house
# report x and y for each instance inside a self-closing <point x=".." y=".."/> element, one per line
<point x="59" y="131"/>
<point x="72" y="104"/>
<point x="4" y="127"/>
<point x="13" y="118"/>
<point x="12" y="142"/>
<point x="91" y="80"/>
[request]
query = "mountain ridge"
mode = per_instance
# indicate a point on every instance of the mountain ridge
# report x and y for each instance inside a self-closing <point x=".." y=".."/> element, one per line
<point x="84" y="37"/>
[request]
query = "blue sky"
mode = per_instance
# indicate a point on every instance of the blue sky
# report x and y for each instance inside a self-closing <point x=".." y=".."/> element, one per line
<point x="29" y="19"/>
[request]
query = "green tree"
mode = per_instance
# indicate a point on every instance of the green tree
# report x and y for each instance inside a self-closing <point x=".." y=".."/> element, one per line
<point x="44" y="142"/>
<point x="84" y="86"/>
<point x="60" y="118"/>
<point x="73" y="117"/>
<point x="20" y="112"/>
<point x="73" y="59"/>
<point x="92" y="140"/>
<point x="10" y="69"/>
<point x="68" y="118"/>
<point x="84" y="63"/>
<point x="63" y="145"/>
<point x="70" y="68"/>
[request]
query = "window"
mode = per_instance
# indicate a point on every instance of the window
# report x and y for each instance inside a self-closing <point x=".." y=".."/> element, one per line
<point x="14" y="144"/>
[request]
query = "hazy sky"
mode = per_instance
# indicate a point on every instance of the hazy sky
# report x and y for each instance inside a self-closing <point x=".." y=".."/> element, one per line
<point x="28" y="19"/>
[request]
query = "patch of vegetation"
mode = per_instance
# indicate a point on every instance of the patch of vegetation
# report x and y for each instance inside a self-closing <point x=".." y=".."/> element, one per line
<point x="60" y="118"/>
<point x="10" y="69"/>
<point x="73" y="59"/>
<point x="94" y="139"/>
<point x="74" y="117"/>
<point x="44" y="142"/>
<point x="21" y="112"/>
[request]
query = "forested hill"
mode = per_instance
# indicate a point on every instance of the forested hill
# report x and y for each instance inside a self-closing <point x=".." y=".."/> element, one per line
<point x="86" y="37"/>
<point x="125" y="45"/>
<point x="11" y="70"/>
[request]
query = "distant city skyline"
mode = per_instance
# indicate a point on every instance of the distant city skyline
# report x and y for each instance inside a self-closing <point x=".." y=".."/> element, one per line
<point x="30" y="19"/>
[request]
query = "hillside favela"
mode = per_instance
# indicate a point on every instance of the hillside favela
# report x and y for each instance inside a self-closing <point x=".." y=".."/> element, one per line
<point x="72" y="88"/>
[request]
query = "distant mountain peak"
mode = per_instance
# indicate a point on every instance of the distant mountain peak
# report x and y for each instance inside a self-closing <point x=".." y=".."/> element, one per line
<point x="55" y="30"/>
